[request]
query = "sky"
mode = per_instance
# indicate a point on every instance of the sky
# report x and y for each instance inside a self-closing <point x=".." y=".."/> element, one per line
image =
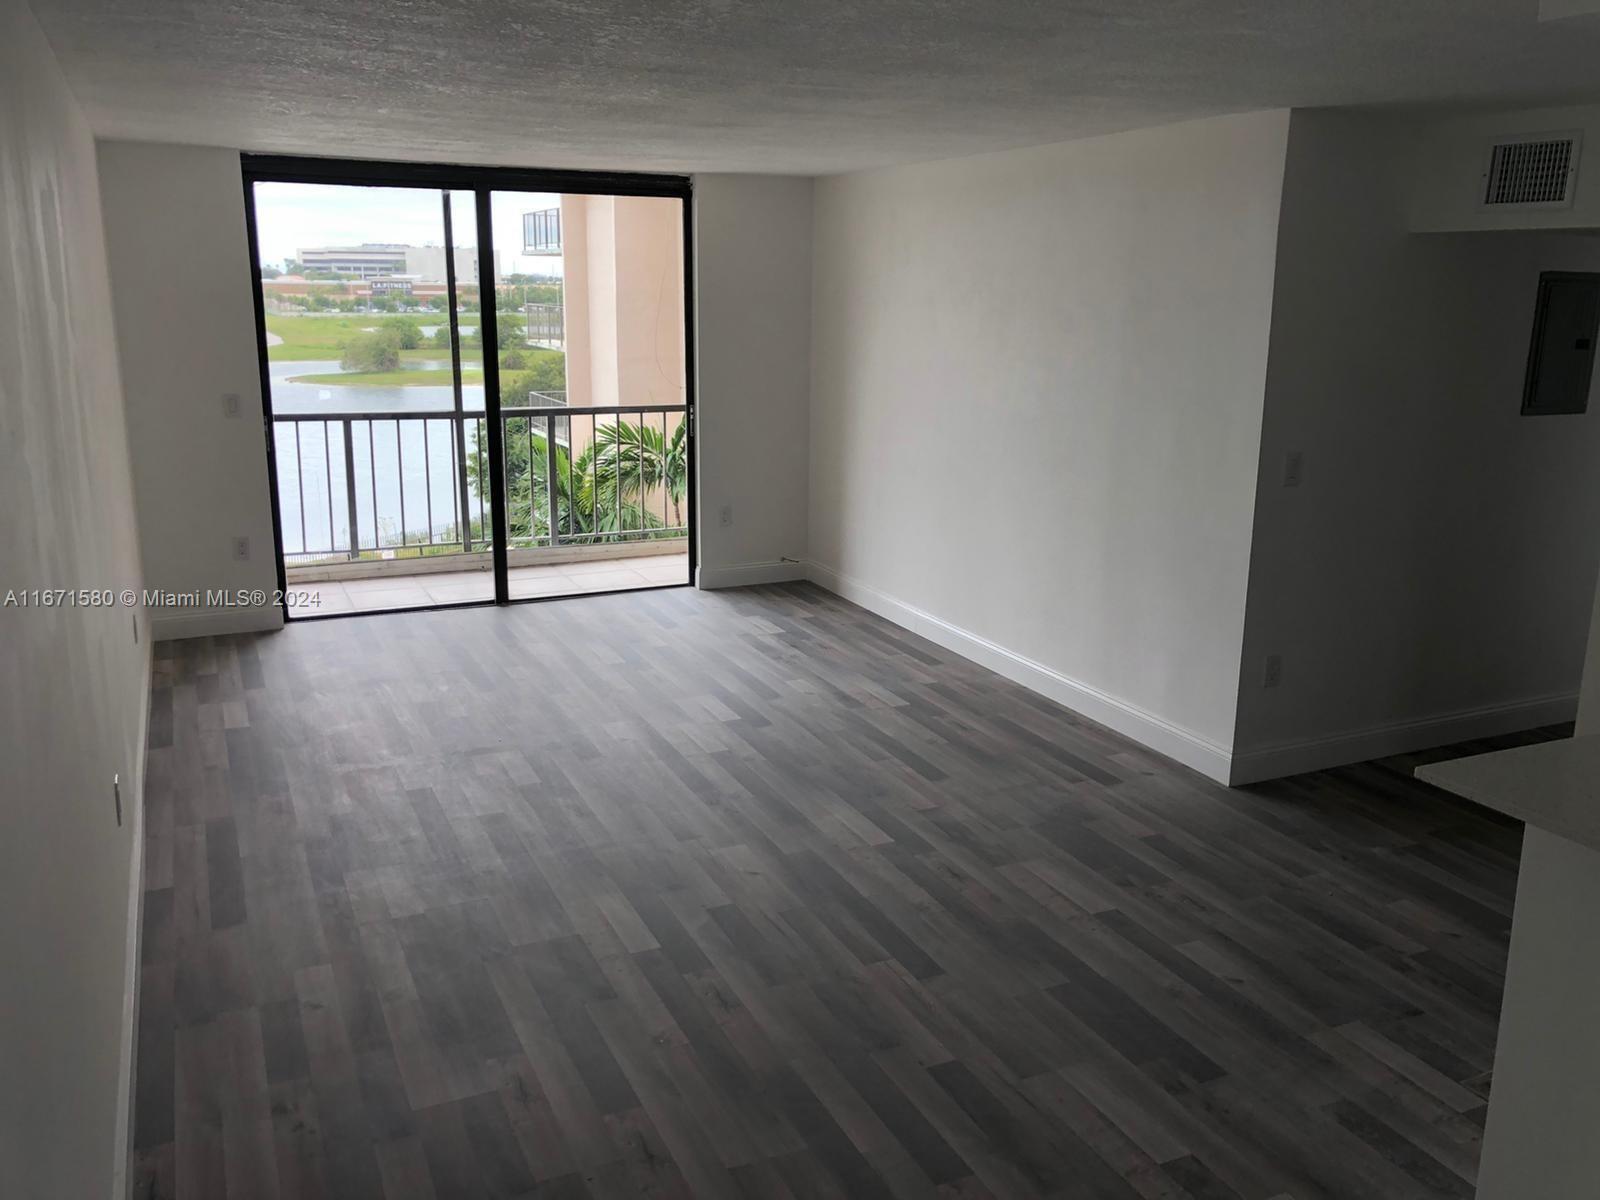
<point x="294" y="215"/>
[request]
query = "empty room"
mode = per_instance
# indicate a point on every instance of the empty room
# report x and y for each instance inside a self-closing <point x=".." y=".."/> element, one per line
<point x="608" y="599"/>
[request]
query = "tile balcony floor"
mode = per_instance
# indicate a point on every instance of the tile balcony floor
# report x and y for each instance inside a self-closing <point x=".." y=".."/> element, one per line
<point x="326" y="597"/>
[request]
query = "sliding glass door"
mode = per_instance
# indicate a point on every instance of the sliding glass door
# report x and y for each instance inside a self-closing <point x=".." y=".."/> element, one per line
<point x="376" y="386"/>
<point x="592" y="390"/>
<point x="473" y="393"/>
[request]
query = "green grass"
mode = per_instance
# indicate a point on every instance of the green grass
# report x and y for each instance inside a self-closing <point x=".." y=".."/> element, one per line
<point x="311" y="338"/>
<point x="416" y="376"/>
<point x="320" y="337"/>
<point x="412" y="378"/>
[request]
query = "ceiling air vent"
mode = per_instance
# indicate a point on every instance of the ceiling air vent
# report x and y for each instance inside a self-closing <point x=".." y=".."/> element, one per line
<point x="1534" y="171"/>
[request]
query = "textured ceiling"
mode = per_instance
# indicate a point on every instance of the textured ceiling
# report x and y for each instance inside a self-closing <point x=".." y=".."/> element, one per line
<point x="773" y="85"/>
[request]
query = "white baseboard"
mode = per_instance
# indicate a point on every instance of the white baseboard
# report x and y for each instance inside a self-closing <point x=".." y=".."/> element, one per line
<point x="190" y="623"/>
<point x="748" y="574"/>
<point x="127" y="1066"/>
<point x="1148" y="729"/>
<point x="1402" y="737"/>
<point x="127" y="1061"/>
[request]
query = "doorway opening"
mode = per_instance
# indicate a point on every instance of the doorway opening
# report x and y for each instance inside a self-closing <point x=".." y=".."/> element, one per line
<point x="476" y="382"/>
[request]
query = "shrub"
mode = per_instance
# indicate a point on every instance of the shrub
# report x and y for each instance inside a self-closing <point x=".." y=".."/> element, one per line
<point x="506" y="335"/>
<point x="372" y="352"/>
<point x="410" y="336"/>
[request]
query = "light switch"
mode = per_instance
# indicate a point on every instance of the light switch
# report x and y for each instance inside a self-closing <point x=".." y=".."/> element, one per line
<point x="1294" y="464"/>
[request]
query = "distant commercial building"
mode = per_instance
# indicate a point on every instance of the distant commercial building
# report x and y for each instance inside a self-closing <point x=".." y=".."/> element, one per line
<point x="427" y="263"/>
<point x="393" y="285"/>
<point x="372" y="260"/>
<point x="407" y="289"/>
<point x="364" y="261"/>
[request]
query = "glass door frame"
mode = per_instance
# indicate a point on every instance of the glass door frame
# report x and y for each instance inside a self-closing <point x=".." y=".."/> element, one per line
<point x="482" y="182"/>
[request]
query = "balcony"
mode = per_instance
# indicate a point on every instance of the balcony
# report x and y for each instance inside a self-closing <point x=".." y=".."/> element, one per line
<point x="541" y="232"/>
<point x="545" y="325"/>
<point x="316" y="597"/>
<point x="387" y="509"/>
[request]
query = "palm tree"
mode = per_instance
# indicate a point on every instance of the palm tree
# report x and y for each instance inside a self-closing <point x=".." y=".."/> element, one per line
<point x="629" y="462"/>
<point x="604" y="490"/>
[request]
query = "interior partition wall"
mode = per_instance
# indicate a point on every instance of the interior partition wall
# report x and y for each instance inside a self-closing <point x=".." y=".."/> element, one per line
<point x="588" y="475"/>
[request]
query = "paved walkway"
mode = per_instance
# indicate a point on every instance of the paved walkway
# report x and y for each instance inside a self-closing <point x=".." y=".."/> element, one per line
<point x="456" y="587"/>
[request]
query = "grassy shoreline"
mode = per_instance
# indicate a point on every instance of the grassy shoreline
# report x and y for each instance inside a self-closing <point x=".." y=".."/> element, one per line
<point x="322" y="338"/>
<point x="401" y="378"/>
<point x="316" y="340"/>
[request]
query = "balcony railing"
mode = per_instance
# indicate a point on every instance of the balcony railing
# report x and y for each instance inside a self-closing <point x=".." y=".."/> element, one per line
<point x="408" y="485"/>
<point x="546" y="325"/>
<point x="588" y="476"/>
<point x="345" y="488"/>
<point x="541" y="231"/>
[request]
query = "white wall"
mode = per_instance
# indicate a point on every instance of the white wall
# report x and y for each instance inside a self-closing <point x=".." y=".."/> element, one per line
<point x="1431" y="578"/>
<point x="753" y="262"/>
<point x="180" y="276"/>
<point x="76" y="684"/>
<point x="1036" y="400"/>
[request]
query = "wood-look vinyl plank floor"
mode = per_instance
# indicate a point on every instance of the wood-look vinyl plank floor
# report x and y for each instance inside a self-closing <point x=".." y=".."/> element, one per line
<point x="752" y="893"/>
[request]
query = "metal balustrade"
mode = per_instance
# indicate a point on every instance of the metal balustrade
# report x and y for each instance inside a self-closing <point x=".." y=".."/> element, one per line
<point x="345" y="489"/>
<point x="395" y="485"/>
<point x="601" y="475"/>
<point x="545" y="325"/>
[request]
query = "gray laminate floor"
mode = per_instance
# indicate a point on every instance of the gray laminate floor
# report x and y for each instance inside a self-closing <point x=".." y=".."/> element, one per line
<point x="753" y="894"/>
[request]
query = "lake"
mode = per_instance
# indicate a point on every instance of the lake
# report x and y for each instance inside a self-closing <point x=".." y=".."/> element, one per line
<point x="415" y="487"/>
<point x="288" y="398"/>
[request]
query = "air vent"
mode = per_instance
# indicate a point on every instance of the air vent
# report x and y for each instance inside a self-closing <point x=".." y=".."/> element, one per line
<point x="1536" y="171"/>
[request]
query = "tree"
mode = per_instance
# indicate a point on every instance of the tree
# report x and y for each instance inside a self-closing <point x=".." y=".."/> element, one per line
<point x="408" y="332"/>
<point x="507" y="333"/>
<point x="632" y="461"/>
<point x="547" y="373"/>
<point x="371" y="352"/>
<point x="606" y="489"/>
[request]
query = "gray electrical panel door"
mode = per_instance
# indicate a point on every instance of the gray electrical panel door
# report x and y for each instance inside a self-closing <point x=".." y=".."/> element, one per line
<point x="1561" y="359"/>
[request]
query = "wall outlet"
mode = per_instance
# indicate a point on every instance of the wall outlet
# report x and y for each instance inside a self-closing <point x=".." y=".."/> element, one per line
<point x="241" y="549"/>
<point x="230" y="404"/>
<point x="1294" y="466"/>
<point x="725" y="515"/>
<point x="116" y="796"/>
<point x="1272" y="672"/>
